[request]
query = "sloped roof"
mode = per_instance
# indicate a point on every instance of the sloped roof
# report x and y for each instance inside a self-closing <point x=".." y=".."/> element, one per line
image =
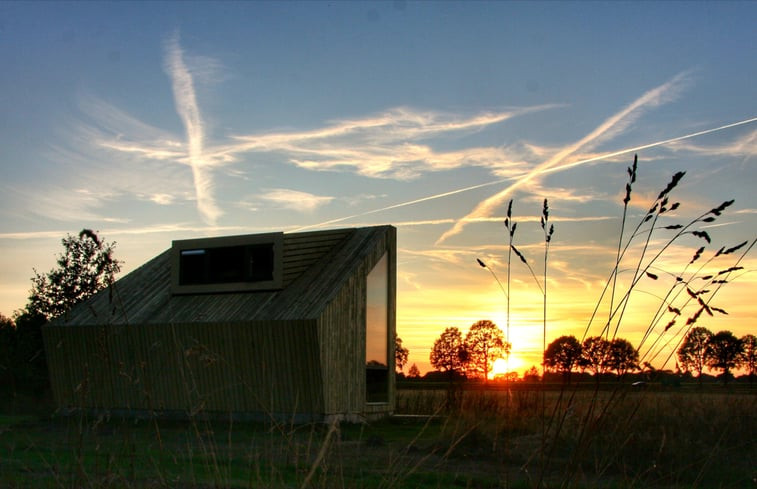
<point x="316" y="264"/>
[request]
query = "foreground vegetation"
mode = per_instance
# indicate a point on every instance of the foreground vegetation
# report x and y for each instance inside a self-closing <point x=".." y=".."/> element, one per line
<point x="524" y="435"/>
<point x="614" y="437"/>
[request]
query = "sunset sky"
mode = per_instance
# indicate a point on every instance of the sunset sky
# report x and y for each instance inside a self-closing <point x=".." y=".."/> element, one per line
<point x="159" y="121"/>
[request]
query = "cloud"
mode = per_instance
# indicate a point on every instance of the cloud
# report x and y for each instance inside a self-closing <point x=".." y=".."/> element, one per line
<point x="396" y="144"/>
<point x="189" y="112"/>
<point x="453" y="256"/>
<point x="82" y="183"/>
<point x="568" y="195"/>
<point x="64" y="203"/>
<point x="401" y="143"/>
<point x="162" y="199"/>
<point x="393" y="144"/>
<point x="608" y="129"/>
<point x="295" y="200"/>
<point x="743" y="146"/>
<point x="168" y="228"/>
<point x="121" y="126"/>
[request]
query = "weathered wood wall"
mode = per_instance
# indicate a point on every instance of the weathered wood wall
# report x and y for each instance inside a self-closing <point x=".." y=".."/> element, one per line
<point x="264" y="366"/>
<point x="342" y="332"/>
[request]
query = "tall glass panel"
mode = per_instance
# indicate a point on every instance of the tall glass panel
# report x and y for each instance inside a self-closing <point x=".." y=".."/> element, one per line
<point x="377" y="332"/>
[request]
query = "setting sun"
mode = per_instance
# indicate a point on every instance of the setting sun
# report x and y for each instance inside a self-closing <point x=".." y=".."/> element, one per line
<point x="502" y="366"/>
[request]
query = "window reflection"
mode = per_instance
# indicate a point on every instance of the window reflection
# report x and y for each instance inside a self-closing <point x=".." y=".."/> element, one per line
<point x="377" y="332"/>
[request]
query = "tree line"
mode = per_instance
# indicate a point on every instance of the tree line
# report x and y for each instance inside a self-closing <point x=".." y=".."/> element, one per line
<point x="472" y="355"/>
<point x="722" y="351"/>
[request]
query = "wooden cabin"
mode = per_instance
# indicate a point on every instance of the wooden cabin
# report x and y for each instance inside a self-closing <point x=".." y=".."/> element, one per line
<point x="296" y="326"/>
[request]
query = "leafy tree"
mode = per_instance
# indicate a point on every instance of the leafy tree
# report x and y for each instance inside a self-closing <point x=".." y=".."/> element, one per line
<point x="531" y="375"/>
<point x="562" y="355"/>
<point x="692" y="353"/>
<point x="484" y="344"/>
<point x="414" y="372"/>
<point x="448" y="353"/>
<point x="400" y="353"/>
<point x="725" y="352"/>
<point x="86" y="266"/>
<point x="623" y="356"/>
<point x="750" y="355"/>
<point x="595" y="353"/>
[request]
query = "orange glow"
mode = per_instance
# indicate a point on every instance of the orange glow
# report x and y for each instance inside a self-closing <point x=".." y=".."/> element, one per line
<point x="502" y="366"/>
<point x="424" y="312"/>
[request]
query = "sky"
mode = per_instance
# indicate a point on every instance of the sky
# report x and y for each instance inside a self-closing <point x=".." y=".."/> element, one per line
<point x="151" y="122"/>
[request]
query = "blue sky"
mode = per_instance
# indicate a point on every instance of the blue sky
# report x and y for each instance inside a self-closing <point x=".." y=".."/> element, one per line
<point x="158" y="121"/>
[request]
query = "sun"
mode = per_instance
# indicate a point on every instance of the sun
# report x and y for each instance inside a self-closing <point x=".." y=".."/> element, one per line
<point x="502" y="366"/>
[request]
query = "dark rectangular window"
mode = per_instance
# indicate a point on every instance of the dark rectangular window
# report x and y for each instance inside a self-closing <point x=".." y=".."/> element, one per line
<point x="226" y="264"/>
<point x="245" y="263"/>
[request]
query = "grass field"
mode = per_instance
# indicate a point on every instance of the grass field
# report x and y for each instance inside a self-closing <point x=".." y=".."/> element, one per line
<point x="614" y="438"/>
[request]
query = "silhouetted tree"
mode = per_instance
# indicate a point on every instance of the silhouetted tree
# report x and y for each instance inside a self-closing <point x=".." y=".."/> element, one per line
<point x="414" y="372"/>
<point x="692" y="353"/>
<point x="7" y="349"/>
<point x="484" y="344"/>
<point x="531" y="375"/>
<point x="86" y="266"/>
<point x="507" y="377"/>
<point x="450" y="356"/>
<point x="595" y="353"/>
<point x="623" y="356"/>
<point x="725" y="352"/>
<point x="448" y="353"/>
<point x="750" y="355"/>
<point x="562" y="355"/>
<point x="400" y="353"/>
<point x="25" y="360"/>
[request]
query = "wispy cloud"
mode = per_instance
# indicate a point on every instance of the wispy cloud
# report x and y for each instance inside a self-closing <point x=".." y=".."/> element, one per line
<point x="608" y="156"/>
<point x="393" y="144"/>
<point x="189" y="112"/>
<point x="742" y="146"/>
<point x="171" y="229"/>
<point x="608" y="129"/>
<point x="294" y="199"/>
<point x="400" y="143"/>
<point x="162" y="199"/>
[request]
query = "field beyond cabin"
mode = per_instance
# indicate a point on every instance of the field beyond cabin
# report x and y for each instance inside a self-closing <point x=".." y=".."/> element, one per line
<point x="614" y="438"/>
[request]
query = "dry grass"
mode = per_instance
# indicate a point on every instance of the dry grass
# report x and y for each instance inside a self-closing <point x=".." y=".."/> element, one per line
<point x="613" y="438"/>
<point x="619" y="437"/>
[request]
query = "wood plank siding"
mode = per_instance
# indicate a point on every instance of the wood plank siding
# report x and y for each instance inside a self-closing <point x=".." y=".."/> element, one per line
<point x="223" y="367"/>
<point x="298" y="351"/>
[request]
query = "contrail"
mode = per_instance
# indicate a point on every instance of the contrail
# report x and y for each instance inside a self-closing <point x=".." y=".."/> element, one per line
<point x="404" y="204"/>
<point x="614" y="123"/>
<point x="543" y="171"/>
<point x="187" y="108"/>
<point x="650" y="145"/>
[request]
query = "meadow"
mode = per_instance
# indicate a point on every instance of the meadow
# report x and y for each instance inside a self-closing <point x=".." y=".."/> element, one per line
<point x="609" y="437"/>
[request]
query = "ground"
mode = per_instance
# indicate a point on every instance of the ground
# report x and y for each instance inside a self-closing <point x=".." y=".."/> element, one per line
<point x="577" y="437"/>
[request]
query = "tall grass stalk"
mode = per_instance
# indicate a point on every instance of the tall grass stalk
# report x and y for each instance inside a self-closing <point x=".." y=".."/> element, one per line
<point x="631" y="180"/>
<point x="643" y="269"/>
<point x="689" y="291"/>
<point x="548" y="230"/>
